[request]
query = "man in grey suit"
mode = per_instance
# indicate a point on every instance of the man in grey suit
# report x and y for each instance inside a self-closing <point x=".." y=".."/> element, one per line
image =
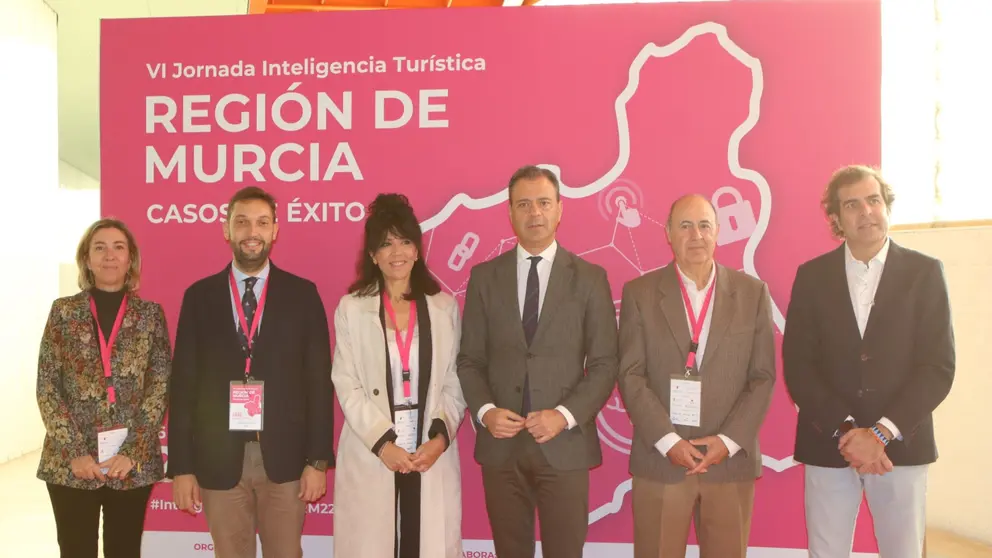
<point x="537" y="361"/>
<point x="695" y="454"/>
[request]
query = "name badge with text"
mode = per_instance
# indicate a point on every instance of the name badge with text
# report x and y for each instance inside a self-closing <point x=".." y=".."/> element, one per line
<point x="686" y="398"/>
<point x="108" y="443"/>
<point x="406" y="429"/>
<point x="247" y="406"/>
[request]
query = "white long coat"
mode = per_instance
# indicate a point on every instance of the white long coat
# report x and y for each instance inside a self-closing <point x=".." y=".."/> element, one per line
<point x="364" y="489"/>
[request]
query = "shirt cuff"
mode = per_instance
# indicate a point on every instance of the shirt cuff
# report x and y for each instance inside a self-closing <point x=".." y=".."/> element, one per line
<point x="568" y="416"/>
<point x="892" y="428"/>
<point x="667" y="442"/>
<point x="731" y="445"/>
<point x="482" y="412"/>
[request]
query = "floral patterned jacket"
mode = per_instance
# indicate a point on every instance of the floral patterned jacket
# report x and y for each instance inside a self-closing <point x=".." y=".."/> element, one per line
<point x="72" y="390"/>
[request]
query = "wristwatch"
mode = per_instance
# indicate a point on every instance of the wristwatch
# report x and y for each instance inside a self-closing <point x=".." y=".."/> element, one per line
<point x="845" y="427"/>
<point x="882" y="438"/>
<point x="319" y="464"/>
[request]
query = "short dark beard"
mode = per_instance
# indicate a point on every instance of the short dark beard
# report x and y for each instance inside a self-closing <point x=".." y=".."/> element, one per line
<point x="247" y="263"/>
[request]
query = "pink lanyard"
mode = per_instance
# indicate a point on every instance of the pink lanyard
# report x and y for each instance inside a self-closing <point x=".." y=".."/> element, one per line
<point x="107" y="346"/>
<point x="695" y="321"/>
<point x="404" y="347"/>
<point x="244" y="322"/>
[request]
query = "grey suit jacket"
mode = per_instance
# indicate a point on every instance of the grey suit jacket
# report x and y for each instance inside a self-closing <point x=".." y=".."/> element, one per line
<point x="572" y="360"/>
<point x="738" y="369"/>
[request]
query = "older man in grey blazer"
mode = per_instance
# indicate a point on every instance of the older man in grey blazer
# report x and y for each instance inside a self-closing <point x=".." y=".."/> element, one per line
<point x="538" y="360"/>
<point x="697" y="368"/>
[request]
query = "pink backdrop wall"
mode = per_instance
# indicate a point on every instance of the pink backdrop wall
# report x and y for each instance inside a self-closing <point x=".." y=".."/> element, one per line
<point x="634" y="105"/>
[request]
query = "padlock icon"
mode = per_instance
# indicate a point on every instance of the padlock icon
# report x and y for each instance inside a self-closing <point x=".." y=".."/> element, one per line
<point x="736" y="220"/>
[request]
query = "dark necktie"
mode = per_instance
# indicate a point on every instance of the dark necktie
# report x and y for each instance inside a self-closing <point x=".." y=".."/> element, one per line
<point x="530" y="318"/>
<point x="248" y="304"/>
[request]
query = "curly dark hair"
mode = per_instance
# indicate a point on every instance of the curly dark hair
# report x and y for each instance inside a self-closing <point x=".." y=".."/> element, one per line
<point x="847" y="176"/>
<point x="391" y="213"/>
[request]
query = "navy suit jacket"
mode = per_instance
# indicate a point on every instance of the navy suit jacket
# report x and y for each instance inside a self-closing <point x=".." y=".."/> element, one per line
<point x="902" y="369"/>
<point x="291" y="355"/>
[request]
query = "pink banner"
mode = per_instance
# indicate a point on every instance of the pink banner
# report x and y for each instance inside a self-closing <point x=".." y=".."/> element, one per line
<point x="751" y="103"/>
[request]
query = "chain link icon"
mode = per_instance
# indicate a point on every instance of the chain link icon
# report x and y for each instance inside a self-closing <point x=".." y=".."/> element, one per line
<point x="463" y="251"/>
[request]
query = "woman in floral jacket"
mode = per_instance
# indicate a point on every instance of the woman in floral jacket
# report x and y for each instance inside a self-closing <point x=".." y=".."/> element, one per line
<point x="103" y="375"/>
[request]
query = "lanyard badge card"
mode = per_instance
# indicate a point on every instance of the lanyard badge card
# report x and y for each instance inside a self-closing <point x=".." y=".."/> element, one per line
<point x="247" y="403"/>
<point x="109" y="441"/>
<point x="406" y="415"/>
<point x="247" y="396"/>
<point x="686" y="390"/>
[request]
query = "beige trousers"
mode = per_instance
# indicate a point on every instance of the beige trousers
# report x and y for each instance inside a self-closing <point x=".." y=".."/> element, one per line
<point x="663" y="514"/>
<point x="255" y="503"/>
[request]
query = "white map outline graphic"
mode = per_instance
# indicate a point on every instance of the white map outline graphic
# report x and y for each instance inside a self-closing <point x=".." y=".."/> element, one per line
<point x="651" y="50"/>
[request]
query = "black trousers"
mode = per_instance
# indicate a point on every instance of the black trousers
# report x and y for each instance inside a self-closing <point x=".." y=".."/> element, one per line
<point x="408" y="515"/>
<point x="77" y="520"/>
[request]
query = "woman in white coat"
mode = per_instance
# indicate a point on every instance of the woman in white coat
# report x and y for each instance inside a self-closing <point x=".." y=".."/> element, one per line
<point x="397" y="485"/>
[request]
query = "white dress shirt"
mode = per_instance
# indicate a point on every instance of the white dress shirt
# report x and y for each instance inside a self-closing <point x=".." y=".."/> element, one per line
<point x="697" y="297"/>
<point x="396" y="365"/>
<point x="543" y="274"/>
<point x="862" y="282"/>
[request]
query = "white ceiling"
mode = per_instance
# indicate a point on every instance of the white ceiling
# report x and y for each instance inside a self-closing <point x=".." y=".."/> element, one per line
<point x="79" y="55"/>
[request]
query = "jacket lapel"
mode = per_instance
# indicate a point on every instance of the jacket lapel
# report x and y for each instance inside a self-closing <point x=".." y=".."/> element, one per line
<point x="221" y="307"/>
<point x="840" y="293"/>
<point x="506" y="287"/>
<point x="425" y="346"/>
<point x="724" y="304"/>
<point x="129" y="327"/>
<point x="672" y="308"/>
<point x="562" y="271"/>
<point x="439" y="361"/>
<point x="379" y="359"/>
<point x="84" y="326"/>
<point x="272" y="312"/>
<point x="131" y="315"/>
<point x="890" y="285"/>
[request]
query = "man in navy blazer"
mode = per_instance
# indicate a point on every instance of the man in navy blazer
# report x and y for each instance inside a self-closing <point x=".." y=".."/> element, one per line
<point x="251" y="417"/>
<point x="868" y="354"/>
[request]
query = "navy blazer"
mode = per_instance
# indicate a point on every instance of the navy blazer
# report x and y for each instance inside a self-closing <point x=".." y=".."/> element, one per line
<point x="291" y="355"/>
<point x="902" y="369"/>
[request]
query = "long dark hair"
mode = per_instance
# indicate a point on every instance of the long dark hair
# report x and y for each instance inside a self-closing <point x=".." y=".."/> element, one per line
<point x="391" y="213"/>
